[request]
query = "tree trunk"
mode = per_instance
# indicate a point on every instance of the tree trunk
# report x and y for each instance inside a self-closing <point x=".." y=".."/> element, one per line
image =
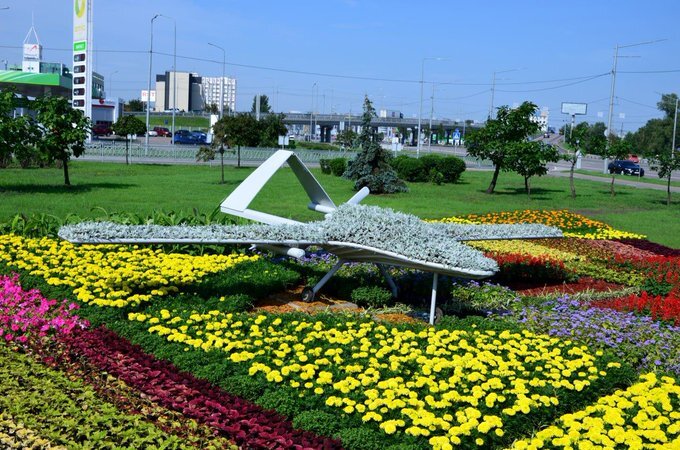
<point x="527" y="186"/>
<point x="127" y="151"/>
<point x="571" y="178"/>
<point x="668" y="190"/>
<point x="238" y="157"/>
<point x="611" y="187"/>
<point x="492" y="186"/>
<point x="67" y="180"/>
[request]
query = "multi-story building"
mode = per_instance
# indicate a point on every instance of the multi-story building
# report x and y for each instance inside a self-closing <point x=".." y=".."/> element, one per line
<point x="212" y="89"/>
<point x="188" y="91"/>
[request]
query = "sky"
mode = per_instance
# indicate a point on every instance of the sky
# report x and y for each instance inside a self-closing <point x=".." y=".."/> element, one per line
<point x="327" y="55"/>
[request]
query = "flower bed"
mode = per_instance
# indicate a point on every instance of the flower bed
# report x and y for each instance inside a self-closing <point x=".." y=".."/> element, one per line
<point x="110" y="275"/>
<point x="646" y="415"/>
<point x="467" y="387"/>
<point x="571" y="224"/>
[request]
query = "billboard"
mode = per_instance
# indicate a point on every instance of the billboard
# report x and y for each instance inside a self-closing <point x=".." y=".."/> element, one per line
<point x="32" y="52"/>
<point x="82" y="56"/>
<point x="145" y="96"/>
<point x="574" y="108"/>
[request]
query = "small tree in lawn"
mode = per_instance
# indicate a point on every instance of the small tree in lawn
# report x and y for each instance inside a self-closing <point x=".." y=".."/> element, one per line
<point x="665" y="163"/>
<point x="492" y="142"/>
<point x="530" y="159"/>
<point x="617" y="149"/>
<point x="371" y="166"/>
<point x="238" y="130"/>
<point x="125" y="126"/>
<point x="64" y="130"/>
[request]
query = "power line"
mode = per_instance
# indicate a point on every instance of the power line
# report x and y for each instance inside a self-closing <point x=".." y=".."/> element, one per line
<point x="557" y="87"/>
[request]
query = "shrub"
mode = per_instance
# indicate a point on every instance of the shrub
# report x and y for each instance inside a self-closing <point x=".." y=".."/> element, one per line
<point x="338" y="166"/>
<point x="483" y="296"/>
<point x="325" y="166"/>
<point x="409" y="169"/>
<point x="282" y="400"/>
<point x="237" y="303"/>
<point x="435" y="177"/>
<point x="244" y="386"/>
<point x="319" y="422"/>
<point x="374" y="296"/>
<point x="451" y="168"/>
<point x="430" y="161"/>
<point x="362" y="439"/>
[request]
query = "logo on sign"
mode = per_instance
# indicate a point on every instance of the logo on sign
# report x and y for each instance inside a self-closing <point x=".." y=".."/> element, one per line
<point x="80" y="7"/>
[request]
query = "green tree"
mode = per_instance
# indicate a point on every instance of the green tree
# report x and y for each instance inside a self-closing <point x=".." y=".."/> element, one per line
<point x="212" y="108"/>
<point x="346" y="138"/>
<point x="441" y="133"/>
<point x="18" y="135"/>
<point x="65" y="130"/>
<point x="271" y="127"/>
<point x="617" y="149"/>
<point x="530" y="159"/>
<point x="371" y="166"/>
<point x="264" y="104"/>
<point x="134" y="105"/>
<point x="492" y="142"/>
<point x="126" y="126"/>
<point x="235" y="131"/>
<point x="655" y="141"/>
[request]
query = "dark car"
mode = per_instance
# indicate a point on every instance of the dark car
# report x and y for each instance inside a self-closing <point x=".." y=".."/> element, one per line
<point x="626" y="167"/>
<point x="186" y="137"/>
<point x="102" y="129"/>
<point x="162" y="131"/>
<point x="201" y="137"/>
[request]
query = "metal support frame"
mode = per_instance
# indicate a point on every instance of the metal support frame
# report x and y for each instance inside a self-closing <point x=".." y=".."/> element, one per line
<point x="309" y="294"/>
<point x="433" y="301"/>
<point x="388" y="278"/>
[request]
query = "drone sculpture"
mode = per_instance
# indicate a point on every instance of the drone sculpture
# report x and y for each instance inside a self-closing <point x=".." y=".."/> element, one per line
<point x="351" y="231"/>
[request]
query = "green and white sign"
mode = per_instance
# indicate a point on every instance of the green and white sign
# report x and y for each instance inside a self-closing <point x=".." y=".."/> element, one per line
<point x="82" y="56"/>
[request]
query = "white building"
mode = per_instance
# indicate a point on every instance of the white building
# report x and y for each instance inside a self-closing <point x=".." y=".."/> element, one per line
<point x="211" y="92"/>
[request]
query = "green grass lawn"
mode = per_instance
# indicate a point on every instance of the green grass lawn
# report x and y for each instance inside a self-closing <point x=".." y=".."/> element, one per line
<point x="144" y="188"/>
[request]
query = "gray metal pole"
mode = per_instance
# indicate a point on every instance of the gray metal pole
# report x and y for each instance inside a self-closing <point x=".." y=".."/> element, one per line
<point x="420" y="114"/>
<point x="675" y="124"/>
<point x="429" y="141"/>
<point x="174" y="85"/>
<point x="148" y="92"/>
<point x="493" y="91"/>
<point x="611" y="103"/>
<point x="224" y="57"/>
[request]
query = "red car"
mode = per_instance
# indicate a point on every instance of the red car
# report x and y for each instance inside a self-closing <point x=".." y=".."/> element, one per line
<point x="162" y="131"/>
<point x="102" y="129"/>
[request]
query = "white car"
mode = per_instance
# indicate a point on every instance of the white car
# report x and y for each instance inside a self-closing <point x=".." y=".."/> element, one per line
<point x="152" y="133"/>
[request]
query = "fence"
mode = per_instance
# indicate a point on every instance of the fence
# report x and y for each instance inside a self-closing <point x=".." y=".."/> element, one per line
<point x="165" y="153"/>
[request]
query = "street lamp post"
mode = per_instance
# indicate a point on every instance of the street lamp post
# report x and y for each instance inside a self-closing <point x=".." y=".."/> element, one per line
<point x="420" y="114"/>
<point x="311" y="115"/>
<point x="224" y="57"/>
<point x="429" y="141"/>
<point x="174" y="76"/>
<point x="611" y="92"/>
<point x="493" y="89"/>
<point x="148" y="92"/>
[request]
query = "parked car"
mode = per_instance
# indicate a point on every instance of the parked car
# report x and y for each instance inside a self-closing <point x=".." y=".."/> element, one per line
<point x="634" y="158"/>
<point x="152" y="133"/>
<point x="186" y="137"/>
<point x="162" y="131"/>
<point x="201" y="137"/>
<point x="102" y="129"/>
<point x="626" y="167"/>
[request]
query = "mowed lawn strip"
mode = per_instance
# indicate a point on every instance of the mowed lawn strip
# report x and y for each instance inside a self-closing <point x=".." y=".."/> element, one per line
<point x="142" y="189"/>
